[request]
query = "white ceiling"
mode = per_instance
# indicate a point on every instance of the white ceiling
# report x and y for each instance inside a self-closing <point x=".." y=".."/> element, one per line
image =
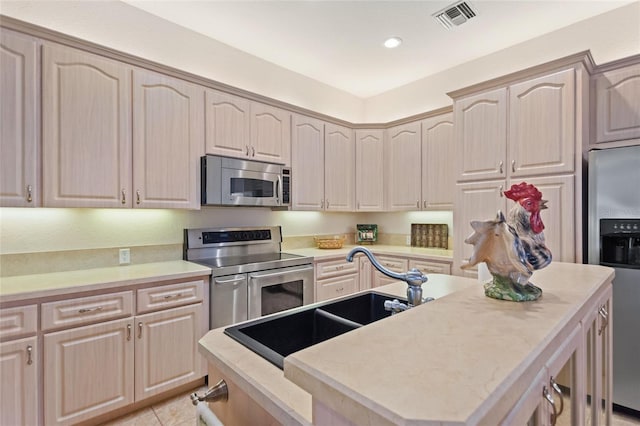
<point x="340" y="42"/>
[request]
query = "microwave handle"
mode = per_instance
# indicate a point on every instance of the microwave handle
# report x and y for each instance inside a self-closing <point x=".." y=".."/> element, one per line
<point x="278" y="189"/>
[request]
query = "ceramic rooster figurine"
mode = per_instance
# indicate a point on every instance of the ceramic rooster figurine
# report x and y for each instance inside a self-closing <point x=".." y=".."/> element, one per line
<point x="513" y="247"/>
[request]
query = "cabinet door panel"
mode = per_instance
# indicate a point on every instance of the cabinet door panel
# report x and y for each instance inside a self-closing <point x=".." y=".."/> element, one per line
<point x="542" y="125"/>
<point x="336" y="287"/>
<point x="339" y="174"/>
<point x="481" y="135"/>
<point x="559" y="218"/>
<point x="438" y="171"/>
<point x="86" y="138"/>
<point x="474" y="201"/>
<point x="270" y="134"/>
<point x="167" y="349"/>
<point x="369" y="170"/>
<point x="168" y="124"/>
<point x="227" y="124"/>
<point x="88" y="371"/>
<point x="618" y="104"/>
<point x="19" y="382"/>
<point x="19" y="138"/>
<point x="307" y="163"/>
<point x="403" y="177"/>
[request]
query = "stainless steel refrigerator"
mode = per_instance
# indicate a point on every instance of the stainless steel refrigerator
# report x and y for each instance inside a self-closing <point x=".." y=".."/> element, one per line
<point x="614" y="240"/>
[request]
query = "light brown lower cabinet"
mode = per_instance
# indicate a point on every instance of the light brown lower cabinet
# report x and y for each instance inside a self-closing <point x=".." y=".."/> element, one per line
<point x="574" y="386"/>
<point x="98" y="368"/>
<point x="88" y="371"/>
<point x="19" y="396"/>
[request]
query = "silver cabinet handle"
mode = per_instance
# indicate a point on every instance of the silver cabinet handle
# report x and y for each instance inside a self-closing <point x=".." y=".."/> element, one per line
<point x="418" y="204"/>
<point x="29" y="355"/>
<point x="557" y="390"/>
<point x="128" y="331"/>
<point x="605" y="319"/>
<point x="513" y="165"/>
<point x="124" y="197"/>
<point x="501" y="192"/>
<point x="549" y="398"/>
<point x="327" y="203"/>
<point x="137" y="196"/>
<point x="29" y="193"/>
<point x="253" y="151"/>
<point x="140" y="330"/>
<point x="500" y="166"/>
<point x="424" y="204"/>
<point x="247" y="153"/>
<point x="219" y="392"/>
<point x="86" y="310"/>
<point x="322" y="204"/>
<point x="172" y="296"/>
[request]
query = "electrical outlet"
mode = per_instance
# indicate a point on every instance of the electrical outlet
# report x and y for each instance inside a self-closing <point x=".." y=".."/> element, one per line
<point x="408" y="240"/>
<point x="125" y="256"/>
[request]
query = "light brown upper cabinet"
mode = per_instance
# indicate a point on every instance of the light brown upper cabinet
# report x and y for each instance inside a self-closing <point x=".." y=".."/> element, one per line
<point x="526" y="129"/>
<point x="86" y="138"/>
<point x="168" y="141"/>
<point x="19" y="129"/>
<point x="438" y="171"/>
<point x="369" y="170"/>
<point x="617" y="104"/>
<point x="323" y="165"/>
<point x="307" y="163"/>
<point x="238" y="127"/>
<point x="339" y="168"/>
<point x="95" y="156"/>
<point x="403" y="167"/>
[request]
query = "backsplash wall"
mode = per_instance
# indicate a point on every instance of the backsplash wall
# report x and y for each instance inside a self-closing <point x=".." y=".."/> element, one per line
<point x="43" y="240"/>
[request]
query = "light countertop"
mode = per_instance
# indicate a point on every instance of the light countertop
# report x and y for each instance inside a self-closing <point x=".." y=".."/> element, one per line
<point x="267" y="385"/>
<point x="441" y="255"/>
<point x="25" y="287"/>
<point x="462" y="359"/>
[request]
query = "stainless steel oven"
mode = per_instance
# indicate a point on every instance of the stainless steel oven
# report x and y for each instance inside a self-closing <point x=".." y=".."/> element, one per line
<point x="251" y="277"/>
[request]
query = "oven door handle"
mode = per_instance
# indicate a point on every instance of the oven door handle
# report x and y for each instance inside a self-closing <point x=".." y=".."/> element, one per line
<point x="280" y="271"/>
<point x="235" y="279"/>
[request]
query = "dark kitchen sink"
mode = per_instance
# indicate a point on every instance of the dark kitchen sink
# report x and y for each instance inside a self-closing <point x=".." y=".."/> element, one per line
<point x="276" y="336"/>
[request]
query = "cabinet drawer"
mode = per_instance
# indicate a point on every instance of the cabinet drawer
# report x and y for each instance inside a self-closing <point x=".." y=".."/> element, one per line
<point x="336" y="287"/>
<point x="394" y="264"/>
<point x="86" y="310"/>
<point x="333" y="268"/>
<point x="20" y="321"/>
<point x="166" y="296"/>
<point x="427" y="267"/>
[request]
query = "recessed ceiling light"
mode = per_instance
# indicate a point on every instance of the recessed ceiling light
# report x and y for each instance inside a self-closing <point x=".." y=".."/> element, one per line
<point x="392" y="42"/>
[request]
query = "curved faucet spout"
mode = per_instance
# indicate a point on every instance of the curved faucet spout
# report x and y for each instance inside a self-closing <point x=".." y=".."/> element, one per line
<point x="414" y="278"/>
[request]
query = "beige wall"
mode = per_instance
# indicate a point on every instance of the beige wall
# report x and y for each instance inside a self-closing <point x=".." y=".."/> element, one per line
<point x="24" y="230"/>
<point x="610" y="36"/>
<point x="127" y="29"/>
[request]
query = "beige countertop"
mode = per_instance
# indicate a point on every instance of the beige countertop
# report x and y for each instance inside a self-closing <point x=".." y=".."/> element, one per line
<point x="462" y="359"/>
<point x="26" y="287"/>
<point x="441" y="255"/>
<point x="267" y="385"/>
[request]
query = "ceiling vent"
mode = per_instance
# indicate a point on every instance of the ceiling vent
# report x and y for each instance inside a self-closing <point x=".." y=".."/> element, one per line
<point x="455" y="14"/>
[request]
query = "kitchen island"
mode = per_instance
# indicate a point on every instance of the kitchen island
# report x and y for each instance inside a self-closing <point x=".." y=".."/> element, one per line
<point x="461" y="359"/>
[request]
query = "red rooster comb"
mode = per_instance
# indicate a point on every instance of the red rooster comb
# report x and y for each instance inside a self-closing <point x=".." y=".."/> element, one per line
<point x="523" y="190"/>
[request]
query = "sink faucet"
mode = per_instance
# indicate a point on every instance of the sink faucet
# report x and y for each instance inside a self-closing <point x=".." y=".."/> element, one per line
<point x="414" y="279"/>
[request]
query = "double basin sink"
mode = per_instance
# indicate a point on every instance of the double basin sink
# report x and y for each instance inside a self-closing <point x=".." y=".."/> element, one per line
<point x="278" y="335"/>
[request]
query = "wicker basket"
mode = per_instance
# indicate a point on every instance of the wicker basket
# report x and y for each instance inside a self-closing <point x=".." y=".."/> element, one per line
<point x="334" y="242"/>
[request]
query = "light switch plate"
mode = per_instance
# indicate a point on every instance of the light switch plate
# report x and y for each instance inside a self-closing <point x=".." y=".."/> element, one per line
<point x="125" y="256"/>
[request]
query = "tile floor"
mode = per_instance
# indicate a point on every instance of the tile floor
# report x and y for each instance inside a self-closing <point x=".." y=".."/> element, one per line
<point x="178" y="411"/>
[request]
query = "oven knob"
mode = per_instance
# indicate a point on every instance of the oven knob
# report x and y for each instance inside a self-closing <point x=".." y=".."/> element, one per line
<point x="628" y="227"/>
<point x="615" y="226"/>
<point x="635" y="227"/>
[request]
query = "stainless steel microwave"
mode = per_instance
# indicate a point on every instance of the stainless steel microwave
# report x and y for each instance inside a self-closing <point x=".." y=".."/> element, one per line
<point x="235" y="182"/>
